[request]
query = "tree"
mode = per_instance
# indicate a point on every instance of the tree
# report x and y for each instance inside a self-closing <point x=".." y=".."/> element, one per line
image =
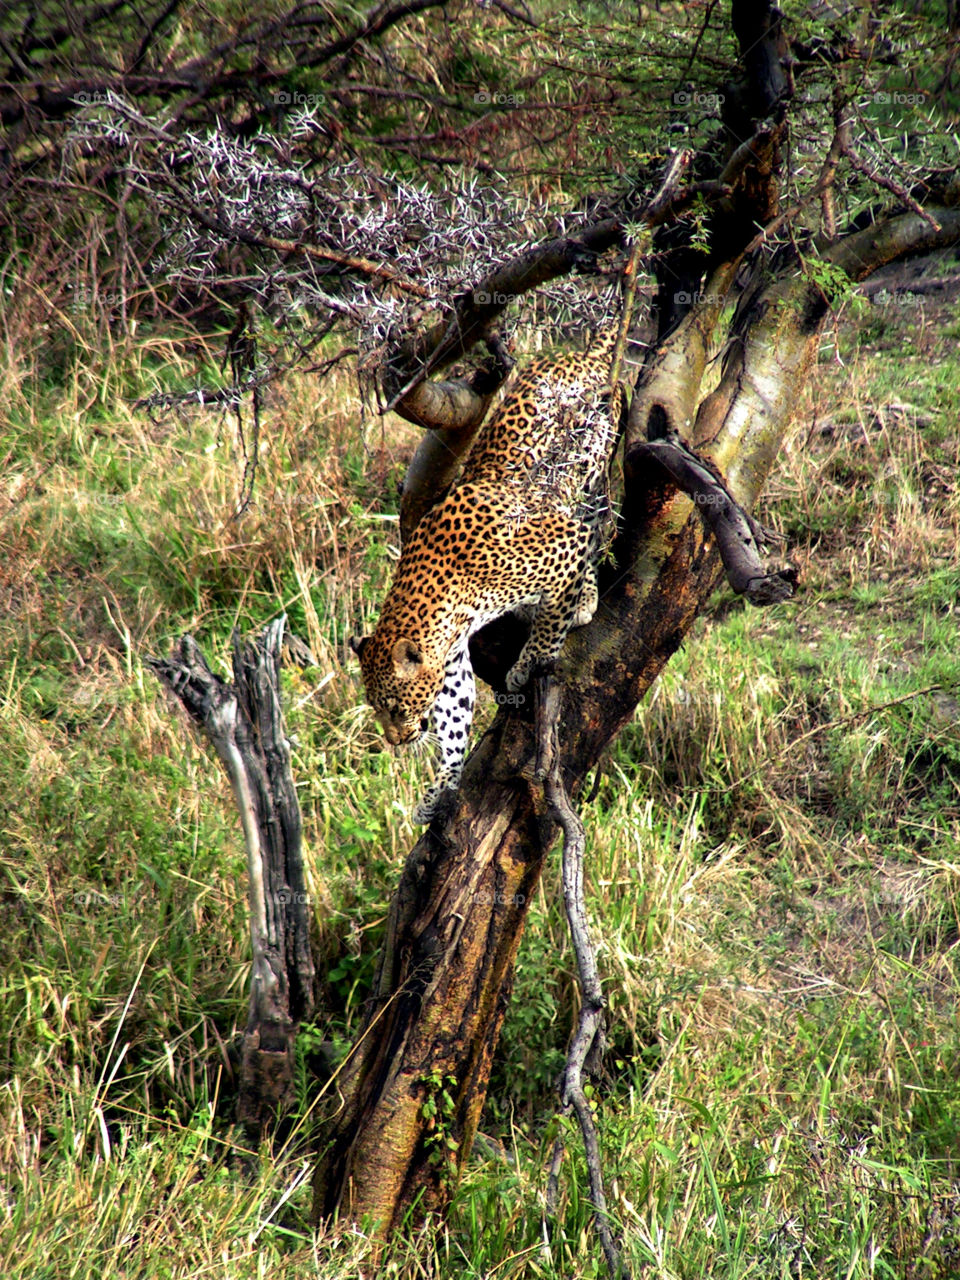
<point x="458" y="916"/>
<point x="748" y="253"/>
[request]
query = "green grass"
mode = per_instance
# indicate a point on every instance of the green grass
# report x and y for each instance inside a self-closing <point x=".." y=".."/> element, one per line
<point x="773" y="870"/>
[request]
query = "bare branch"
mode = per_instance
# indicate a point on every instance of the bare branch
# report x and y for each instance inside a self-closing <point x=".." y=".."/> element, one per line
<point x="739" y="537"/>
<point x="586" y="1047"/>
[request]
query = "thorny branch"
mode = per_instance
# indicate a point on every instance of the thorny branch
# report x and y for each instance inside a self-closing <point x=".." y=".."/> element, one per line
<point x="348" y="243"/>
<point x="544" y="263"/>
<point x="350" y="247"/>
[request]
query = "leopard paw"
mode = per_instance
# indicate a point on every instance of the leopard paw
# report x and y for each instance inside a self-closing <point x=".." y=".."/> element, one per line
<point x="425" y="811"/>
<point x="517" y="676"/>
<point x="529" y="669"/>
<point x="587" y="604"/>
<point x="433" y="805"/>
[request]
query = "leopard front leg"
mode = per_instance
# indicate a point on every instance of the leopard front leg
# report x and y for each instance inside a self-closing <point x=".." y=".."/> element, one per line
<point x="589" y="598"/>
<point x="573" y="605"/>
<point x="452" y="717"/>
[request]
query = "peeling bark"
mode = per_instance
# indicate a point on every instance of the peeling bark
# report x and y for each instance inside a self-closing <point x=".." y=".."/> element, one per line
<point x="244" y="723"/>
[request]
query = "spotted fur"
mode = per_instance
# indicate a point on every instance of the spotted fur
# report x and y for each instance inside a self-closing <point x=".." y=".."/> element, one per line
<point x="519" y="529"/>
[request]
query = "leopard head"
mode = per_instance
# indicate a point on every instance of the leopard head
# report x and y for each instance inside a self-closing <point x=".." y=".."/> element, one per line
<point x="401" y="683"/>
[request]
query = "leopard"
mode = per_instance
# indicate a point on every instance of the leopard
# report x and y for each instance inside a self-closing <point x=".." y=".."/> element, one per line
<point x="520" y="531"/>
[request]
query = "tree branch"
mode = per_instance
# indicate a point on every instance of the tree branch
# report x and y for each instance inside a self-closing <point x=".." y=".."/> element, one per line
<point x="586" y="1047"/>
<point x="738" y="536"/>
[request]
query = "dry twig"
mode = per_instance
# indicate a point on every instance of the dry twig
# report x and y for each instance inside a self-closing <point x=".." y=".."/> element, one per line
<point x="586" y="1048"/>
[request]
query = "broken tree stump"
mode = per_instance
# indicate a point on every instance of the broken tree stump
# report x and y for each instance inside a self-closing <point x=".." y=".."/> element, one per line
<point x="244" y="722"/>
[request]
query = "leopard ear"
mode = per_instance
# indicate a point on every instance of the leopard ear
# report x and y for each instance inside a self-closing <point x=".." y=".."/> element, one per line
<point x="358" y="644"/>
<point x="407" y="658"/>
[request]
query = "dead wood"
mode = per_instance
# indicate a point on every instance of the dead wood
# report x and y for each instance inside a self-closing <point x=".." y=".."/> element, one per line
<point x="243" y="721"/>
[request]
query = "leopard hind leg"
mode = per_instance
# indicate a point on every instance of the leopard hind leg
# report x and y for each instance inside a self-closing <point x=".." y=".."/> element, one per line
<point x="572" y="604"/>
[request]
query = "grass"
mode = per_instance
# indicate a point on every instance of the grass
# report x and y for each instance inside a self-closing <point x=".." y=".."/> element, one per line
<point x="774" y="866"/>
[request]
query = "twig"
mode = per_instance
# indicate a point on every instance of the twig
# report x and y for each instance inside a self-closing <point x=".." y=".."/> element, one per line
<point x="586" y="1048"/>
<point x="679" y="163"/>
<point x="828" y="172"/>
<point x="182" y="199"/>
<point x="826" y="727"/>
<point x="347" y="260"/>
<point x="895" y="188"/>
<point x="517" y="16"/>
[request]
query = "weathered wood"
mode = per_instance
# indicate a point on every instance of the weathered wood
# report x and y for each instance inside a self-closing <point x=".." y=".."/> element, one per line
<point x="244" y="722"/>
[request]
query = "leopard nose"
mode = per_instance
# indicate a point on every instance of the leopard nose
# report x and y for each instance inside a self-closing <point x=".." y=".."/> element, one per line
<point x="392" y="734"/>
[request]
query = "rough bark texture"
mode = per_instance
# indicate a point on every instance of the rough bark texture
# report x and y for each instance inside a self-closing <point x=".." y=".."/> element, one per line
<point x="245" y="725"/>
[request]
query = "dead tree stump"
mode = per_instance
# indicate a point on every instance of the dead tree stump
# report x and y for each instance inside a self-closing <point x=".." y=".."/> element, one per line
<point x="243" y="720"/>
